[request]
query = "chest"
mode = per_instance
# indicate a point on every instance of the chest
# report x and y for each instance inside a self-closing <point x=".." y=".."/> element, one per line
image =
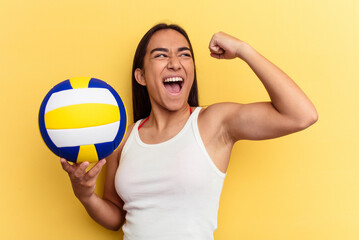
<point x="151" y="172"/>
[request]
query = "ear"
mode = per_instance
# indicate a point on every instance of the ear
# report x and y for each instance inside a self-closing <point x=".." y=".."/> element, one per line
<point x="140" y="76"/>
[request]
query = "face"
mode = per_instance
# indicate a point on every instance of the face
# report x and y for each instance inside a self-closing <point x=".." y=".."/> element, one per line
<point x="168" y="70"/>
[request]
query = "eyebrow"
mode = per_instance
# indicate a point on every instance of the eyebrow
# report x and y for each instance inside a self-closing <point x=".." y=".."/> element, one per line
<point x="183" y="49"/>
<point x="166" y="49"/>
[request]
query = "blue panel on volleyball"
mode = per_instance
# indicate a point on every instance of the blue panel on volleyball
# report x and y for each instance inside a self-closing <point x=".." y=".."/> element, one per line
<point x="123" y="123"/>
<point x="96" y="83"/>
<point x="65" y="85"/>
<point x="104" y="149"/>
<point x="69" y="153"/>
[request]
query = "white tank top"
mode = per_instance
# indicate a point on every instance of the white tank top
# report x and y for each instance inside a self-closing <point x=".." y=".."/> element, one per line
<point x="170" y="190"/>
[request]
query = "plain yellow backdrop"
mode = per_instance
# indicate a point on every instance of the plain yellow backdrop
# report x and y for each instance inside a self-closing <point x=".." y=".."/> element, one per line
<point x="302" y="186"/>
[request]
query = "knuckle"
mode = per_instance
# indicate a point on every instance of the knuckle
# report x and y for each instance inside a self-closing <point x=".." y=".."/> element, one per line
<point x="76" y="176"/>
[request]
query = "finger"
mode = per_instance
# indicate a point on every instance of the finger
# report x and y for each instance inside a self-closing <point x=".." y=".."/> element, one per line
<point x="81" y="170"/>
<point x="95" y="171"/>
<point x="220" y="51"/>
<point x="65" y="165"/>
<point x="214" y="48"/>
<point x="218" y="56"/>
<point x="217" y="50"/>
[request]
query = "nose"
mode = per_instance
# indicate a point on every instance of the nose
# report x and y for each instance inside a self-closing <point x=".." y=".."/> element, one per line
<point x="174" y="63"/>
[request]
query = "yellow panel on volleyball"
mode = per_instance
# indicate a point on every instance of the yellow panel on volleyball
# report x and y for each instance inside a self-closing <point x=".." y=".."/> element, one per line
<point x="87" y="153"/>
<point x="80" y="82"/>
<point x="81" y="116"/>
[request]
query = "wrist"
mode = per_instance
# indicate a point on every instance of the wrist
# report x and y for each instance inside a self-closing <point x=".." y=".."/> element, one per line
<point x="87" y="199"/>
<point x="244" y="51"/>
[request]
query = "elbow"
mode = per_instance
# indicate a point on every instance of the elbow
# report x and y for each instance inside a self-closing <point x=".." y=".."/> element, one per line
<point x="308" y="120"/>
<point x="312" y="117"/>
<point x="114" y="227"/>
<point x="115" y="224"/>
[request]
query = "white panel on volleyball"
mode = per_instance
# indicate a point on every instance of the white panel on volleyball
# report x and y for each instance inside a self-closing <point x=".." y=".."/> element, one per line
<point x="84" y="136"/>
<point x="79" y="96"/>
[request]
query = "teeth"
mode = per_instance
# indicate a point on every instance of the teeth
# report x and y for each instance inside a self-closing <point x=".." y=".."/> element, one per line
<point x="174" y="79"/>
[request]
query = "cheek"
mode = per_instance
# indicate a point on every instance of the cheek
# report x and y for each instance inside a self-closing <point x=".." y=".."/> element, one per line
<point x="190" y="70"/>
<point x="154" y="69"/>
<point x="189" y="66"/>
<point x="150" y="75"/>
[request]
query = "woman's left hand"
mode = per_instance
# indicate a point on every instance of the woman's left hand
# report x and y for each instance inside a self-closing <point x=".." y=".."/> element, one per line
<point x="224" y="46"/>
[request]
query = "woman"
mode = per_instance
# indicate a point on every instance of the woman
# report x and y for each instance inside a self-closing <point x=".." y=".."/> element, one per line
<point x="170" y="167"/>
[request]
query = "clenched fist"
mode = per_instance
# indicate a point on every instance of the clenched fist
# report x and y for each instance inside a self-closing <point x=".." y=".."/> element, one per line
<point x="224" y="46"/>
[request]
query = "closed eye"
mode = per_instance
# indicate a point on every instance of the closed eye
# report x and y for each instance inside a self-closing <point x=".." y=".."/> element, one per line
<point x="160" y="55"/>
<point x="186" y="54"/>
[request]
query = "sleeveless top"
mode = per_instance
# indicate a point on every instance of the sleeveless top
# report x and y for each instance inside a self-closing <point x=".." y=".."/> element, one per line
<point x="170" y="190"/>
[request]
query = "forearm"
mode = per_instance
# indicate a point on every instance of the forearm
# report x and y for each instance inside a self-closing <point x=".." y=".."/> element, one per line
<point x="286" y="97"/>
<point x="108" y="210"/>
<point x="104" y="212"/>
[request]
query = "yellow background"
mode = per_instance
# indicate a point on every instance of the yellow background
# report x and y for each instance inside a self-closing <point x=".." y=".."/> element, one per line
<point x="303" y="186"/>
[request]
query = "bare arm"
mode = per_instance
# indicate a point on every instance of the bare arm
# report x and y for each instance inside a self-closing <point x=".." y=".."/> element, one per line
<point x="105" y="211"/>
<point x="108" y="210"/>
<point x="290" y="110"/>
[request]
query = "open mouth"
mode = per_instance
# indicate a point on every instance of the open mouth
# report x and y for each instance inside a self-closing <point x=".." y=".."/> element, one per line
<point x="173" y="84"/>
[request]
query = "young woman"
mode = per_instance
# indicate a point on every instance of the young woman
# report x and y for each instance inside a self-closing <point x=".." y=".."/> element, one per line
<point x="166" y="177"/>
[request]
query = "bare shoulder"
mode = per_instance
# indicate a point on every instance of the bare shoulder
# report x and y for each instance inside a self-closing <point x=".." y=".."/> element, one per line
<point x="213" y="121"/>
<point x="218" y="113"/>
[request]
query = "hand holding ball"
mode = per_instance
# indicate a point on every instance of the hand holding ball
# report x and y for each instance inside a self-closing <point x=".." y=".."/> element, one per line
<point x="82" y="119"/>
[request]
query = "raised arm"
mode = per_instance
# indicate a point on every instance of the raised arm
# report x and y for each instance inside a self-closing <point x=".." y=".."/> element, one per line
<point x="289" y="111"/>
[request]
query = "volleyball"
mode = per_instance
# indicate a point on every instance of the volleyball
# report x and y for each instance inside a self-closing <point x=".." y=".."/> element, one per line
<point x="82" y="119"/>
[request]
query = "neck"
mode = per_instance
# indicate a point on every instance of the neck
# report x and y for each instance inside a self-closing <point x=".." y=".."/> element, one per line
<point x="162" y="119"/>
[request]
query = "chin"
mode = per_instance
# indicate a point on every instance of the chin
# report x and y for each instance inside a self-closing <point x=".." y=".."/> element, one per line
<point x="175" y="106"/>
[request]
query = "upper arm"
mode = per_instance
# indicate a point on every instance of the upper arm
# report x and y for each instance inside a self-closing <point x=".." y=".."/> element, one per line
<point x="111" y="168"/>
<point x="254" y="121"/>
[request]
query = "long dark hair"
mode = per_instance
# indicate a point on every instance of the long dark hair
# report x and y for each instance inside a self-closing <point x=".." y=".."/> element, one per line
<point x="140" y="98"/>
